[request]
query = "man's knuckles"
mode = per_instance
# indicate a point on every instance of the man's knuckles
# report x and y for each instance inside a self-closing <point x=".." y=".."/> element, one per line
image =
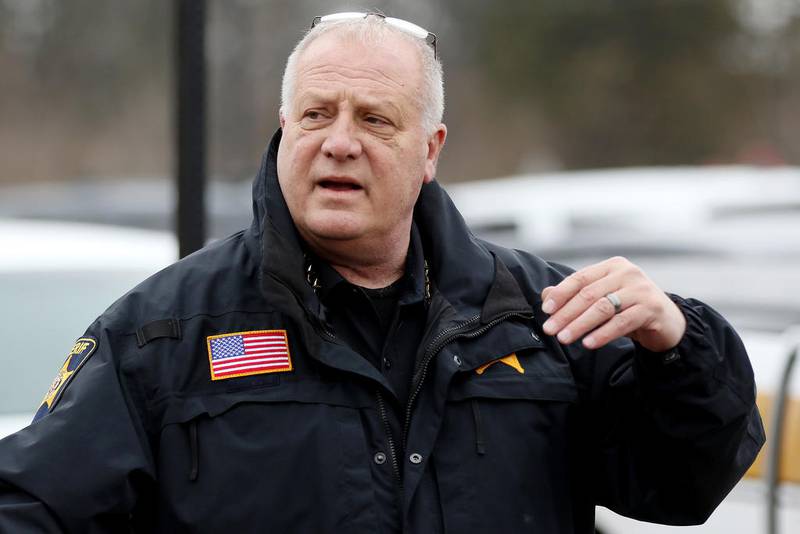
<point x="588" y="295"/>
<point x="573" y="283"/>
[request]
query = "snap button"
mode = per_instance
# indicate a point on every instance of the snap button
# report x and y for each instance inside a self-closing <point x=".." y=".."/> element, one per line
<point x="387" y="364"/>
<point x="457" y="359"/>
<point x="379" y="458"/>
<point x="671" y="356"/>
<point x="534" y="336"/>
<point x="415" y="458"/>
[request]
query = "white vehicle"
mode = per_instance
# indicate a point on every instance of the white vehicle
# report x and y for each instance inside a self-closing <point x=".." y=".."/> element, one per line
<point x="552" y="209"/>
<point x="55" y="279"/>
<point x="729" y="236"/>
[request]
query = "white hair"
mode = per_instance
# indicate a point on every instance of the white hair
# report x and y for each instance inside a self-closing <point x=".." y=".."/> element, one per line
<point x="372" y="30"/>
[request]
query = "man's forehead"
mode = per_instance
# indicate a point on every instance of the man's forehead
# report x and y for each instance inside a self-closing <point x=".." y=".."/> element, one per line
<point x="393" y="62"/>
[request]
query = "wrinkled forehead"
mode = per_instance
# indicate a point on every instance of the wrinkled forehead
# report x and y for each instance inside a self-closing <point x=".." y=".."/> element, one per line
<point x="392" y="62"/>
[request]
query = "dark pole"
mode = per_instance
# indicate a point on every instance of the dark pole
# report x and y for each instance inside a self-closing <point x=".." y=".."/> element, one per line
<point x="190" y="16"/>
<point x="775" y="447"/>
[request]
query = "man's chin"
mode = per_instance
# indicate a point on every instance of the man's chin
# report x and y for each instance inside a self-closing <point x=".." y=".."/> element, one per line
<point x="336" y="230"/>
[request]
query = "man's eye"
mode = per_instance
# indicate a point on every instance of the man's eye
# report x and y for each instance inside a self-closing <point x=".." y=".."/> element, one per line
<point x="377" y="121"/>
<point x="313" y="115"/>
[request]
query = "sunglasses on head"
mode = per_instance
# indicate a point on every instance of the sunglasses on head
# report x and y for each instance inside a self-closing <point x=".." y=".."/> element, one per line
<point x="400" y="24"/>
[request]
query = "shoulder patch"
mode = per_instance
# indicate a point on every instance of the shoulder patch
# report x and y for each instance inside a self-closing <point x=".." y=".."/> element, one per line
<point x="81" y="350"/>
<point x="248" y="353"/>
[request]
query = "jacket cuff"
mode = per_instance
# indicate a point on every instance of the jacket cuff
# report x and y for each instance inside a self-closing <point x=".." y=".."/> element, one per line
<point x="695" y="350"/>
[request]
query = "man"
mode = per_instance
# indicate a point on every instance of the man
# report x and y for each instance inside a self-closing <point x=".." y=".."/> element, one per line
<point x="357" y="361"/>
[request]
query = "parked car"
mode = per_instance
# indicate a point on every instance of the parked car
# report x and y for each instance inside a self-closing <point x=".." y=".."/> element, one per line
<point x="729" y="236"/>
<point x="55" y="279"/>
<point x="139" y="202"/>
<point x="552" y="209"/>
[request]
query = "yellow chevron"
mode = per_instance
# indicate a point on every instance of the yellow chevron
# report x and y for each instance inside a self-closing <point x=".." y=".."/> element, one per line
<point x="511" y="360"/>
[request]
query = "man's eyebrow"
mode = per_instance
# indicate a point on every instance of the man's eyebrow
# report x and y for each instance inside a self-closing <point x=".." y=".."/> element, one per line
<point x="369" y="103"/>
<point x="363" y="102"/>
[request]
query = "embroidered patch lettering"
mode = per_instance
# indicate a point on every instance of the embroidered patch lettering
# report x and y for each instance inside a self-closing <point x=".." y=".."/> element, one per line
<point x="81" y="350"/>
<point x="248" y="353"/>
<point x="511" y="360"/>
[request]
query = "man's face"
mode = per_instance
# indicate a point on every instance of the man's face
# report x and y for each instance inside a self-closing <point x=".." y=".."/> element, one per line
<point x="354" y="154"/>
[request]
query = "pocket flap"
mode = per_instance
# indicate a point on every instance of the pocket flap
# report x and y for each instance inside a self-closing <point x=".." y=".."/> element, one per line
<point x="183" y="408"/>
<point x="516" y="387"/>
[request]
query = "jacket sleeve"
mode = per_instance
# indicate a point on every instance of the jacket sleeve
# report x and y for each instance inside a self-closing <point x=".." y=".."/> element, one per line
<point x="671" y="433"/>
<point x="83" y="466"/>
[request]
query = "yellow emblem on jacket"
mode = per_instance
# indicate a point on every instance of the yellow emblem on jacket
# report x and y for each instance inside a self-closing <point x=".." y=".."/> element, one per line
<point x="511" y="360"/>
<point x="81" y="350"/>
<point x="55" y="386"/>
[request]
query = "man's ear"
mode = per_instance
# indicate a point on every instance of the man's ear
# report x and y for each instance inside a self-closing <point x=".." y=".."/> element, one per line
<point x="435" y="145"/>
<point x="281" y="119"/>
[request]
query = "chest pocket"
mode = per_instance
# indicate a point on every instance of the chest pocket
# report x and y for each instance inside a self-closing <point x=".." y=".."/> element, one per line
<point x="504" y="447"/>
<point x="282" y="457"/>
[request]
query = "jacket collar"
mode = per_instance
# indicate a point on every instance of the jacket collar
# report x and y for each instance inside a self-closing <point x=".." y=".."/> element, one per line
<point x="411" y="286"/>
<point x="462" y="269"/>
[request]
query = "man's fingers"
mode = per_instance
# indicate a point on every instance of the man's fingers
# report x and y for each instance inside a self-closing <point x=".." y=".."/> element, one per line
<point x="584" y="299"/>
<point x="578" y="305"/>
<point x="569" y="286"/>
<point x="546" y="291"/>
<point x="600" y="311"/>
<point x="620" y="325"/>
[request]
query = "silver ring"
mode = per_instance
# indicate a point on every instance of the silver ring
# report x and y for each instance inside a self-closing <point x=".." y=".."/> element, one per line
<point x="614" y="299"/>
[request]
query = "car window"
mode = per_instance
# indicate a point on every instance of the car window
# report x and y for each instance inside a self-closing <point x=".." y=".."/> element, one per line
<point x="41" y="315"/>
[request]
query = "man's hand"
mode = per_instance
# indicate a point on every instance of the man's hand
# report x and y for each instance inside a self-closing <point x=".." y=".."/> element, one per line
<point x="578" y="305"/>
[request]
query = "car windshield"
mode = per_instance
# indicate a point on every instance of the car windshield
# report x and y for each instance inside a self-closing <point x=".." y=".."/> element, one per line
<point x="42" y="313"/>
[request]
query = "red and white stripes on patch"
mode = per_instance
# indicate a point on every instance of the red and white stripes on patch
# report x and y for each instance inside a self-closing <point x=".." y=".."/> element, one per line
<point x="248" y="353"/>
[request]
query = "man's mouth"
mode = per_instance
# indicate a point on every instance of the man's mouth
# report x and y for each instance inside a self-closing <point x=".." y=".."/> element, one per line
<point x="339" y="185"/>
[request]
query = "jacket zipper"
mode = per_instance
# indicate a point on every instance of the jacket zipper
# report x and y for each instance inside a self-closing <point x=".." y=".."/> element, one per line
<point x="322" y="328"/>
<point x="392" y="451"/>
<point x="315" y="321"/>
<point x="443" y="338"/>
<point x="438" y="343"/>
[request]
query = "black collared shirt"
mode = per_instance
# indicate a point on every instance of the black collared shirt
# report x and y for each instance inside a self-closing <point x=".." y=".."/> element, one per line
<point x="384" y="325"/>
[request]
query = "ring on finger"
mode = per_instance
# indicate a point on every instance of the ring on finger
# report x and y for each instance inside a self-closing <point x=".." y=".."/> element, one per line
<point x="614" y="300"/>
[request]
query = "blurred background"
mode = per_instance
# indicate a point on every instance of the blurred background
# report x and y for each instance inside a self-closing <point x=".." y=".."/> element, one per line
<point x="87" y="85"/>
<point x="666" y="131"/>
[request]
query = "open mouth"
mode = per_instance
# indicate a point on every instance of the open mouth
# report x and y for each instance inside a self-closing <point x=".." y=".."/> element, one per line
<point x="334" y="185"/>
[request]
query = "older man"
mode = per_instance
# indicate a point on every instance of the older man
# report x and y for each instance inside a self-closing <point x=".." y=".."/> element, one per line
<point x="357" y="361"/>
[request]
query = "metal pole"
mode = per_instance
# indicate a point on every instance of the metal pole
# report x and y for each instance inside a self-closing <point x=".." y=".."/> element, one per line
<point x="190" y="118"/>
<point x="776" y="445"/>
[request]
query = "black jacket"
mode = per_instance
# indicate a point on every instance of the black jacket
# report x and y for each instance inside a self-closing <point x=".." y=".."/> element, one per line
<point x="142" y="439"/>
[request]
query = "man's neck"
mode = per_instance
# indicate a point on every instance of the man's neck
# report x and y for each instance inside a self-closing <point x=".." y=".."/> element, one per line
<point x="370" y="277"/>
<point x="370" y="267"/>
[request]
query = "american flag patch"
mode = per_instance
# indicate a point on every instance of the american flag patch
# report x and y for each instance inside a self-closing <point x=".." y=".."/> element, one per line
<point x="248" y="353"/>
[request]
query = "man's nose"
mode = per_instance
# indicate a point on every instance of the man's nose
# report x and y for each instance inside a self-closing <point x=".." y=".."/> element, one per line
<point x="342" y="142"/>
